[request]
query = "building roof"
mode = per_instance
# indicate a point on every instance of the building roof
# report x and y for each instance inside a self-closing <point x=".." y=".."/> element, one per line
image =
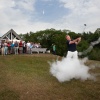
<point x="10" y="35"/>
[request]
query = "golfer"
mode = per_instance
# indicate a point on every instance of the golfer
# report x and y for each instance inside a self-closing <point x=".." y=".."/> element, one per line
<point x="71" y="44"/>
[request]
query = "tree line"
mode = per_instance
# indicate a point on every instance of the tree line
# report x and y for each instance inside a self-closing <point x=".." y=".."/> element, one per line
<point x="51" y="36"/>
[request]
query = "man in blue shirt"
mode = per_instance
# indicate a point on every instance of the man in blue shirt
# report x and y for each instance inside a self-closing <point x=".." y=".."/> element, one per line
<point x="72" y="52"/>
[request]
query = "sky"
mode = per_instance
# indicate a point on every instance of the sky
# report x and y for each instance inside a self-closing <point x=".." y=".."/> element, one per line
<point x="34" y="15"/>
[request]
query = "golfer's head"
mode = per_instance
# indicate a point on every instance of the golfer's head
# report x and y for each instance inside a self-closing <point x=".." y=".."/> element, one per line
<point x="68" y="37"/>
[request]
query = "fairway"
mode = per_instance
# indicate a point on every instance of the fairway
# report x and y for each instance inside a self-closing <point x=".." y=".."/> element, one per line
<point x="27" y="77"/>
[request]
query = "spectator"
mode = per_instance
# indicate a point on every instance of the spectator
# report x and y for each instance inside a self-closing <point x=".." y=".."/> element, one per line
<point x="24" y="47"/>
<point x="12" y="47"/>
<point x="16" y="45"/>
<point x="54" y="49"/>
<point x="39" y="45"/>
<point x="2" y="49"/>
<point x="5" y="48"/>
<point x="9" y="47"/>
<point x="28" y="47"/>
<point x="20" y="47"/>
<point x="31" y="46"/>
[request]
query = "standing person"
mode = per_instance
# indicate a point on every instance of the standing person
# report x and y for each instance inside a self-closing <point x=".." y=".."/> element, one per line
<point x="54" y="49"/>
<point x="16" y="45"/>
<point x="5" y="48"/>
<point x="24" y="47"/>
<point x="0" y="44"/>
<point x="28" y="47"/>
<point x="71" y="44"/>
<point x="12" y="47"/>
<point x="9" y="47"/>
<point x="20" y="47"/>
<point x="31" y="46"/>
<point x="2" y="49"/>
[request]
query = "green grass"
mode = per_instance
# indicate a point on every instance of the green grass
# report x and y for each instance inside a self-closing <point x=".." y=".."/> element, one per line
<point x="27" y="77"/>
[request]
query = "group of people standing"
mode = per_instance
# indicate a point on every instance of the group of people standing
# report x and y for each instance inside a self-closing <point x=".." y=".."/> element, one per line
<point x="16" y="47"/>
<point x="12" y="47"/>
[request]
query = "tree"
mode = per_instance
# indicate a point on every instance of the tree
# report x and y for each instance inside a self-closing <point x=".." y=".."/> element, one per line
<point x="51" y="36"/>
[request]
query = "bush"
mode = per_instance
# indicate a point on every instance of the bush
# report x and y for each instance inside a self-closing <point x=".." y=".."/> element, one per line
<point x="95" y="54"/>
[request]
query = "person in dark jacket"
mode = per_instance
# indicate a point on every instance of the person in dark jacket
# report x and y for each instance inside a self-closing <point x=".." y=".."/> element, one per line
<point x="71" y="44"/>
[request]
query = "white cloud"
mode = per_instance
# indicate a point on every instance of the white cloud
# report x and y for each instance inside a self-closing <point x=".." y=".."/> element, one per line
<point x="20" y="16"/>
<point x="4" y="4"/>
<point x="82" y="12"/>
<point x="26" y="4"/>
<point x="13" y="14"/>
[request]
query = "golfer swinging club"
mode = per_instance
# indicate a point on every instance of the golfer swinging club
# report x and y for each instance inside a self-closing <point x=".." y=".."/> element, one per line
<point x="71" y="44"/>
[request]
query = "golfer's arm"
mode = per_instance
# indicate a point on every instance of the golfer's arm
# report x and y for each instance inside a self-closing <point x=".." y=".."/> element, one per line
<point x="78" y="41"/>
<point x="74" y="41"/>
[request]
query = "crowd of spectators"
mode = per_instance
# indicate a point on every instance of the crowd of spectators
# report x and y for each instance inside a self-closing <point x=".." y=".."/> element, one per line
<point x="16" y="47"/>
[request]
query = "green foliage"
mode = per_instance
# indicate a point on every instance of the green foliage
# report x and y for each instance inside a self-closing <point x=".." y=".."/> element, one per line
<point x="83" y="45"/>
<point x="95" y="54"/>
<point x="51" y="36"/>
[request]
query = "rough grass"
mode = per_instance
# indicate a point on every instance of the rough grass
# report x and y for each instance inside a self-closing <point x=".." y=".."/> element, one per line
<point x="27" y="77"/>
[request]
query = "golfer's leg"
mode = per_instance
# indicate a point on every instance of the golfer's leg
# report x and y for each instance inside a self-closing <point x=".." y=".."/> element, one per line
<point x="75" y="54"/>
<point x="69" y="54"/>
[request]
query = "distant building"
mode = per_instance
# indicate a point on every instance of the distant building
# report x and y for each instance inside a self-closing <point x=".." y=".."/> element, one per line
<point x="11" y="35"/>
